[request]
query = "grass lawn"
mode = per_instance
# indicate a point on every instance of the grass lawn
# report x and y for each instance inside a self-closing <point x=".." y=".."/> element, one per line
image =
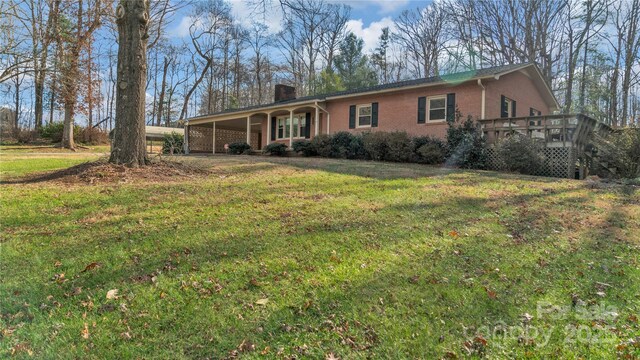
<point x="52" y="148"/>
<point x="313" y="258"/>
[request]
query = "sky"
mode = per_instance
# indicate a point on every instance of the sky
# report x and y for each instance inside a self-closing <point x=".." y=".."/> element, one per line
<point x="368" y="17"/>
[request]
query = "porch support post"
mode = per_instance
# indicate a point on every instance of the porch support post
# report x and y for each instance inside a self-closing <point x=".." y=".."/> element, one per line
<point x="268" y="128"/>
<point x="317" y="120"/>
<point x="213" y="140"/>
<point x="249" y="130"/>
<point x="186" y="139"/>
<point x="290" y="128"/>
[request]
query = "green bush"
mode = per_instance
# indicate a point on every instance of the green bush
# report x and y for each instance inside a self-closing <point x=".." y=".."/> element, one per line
<point x="429" y="150"/>
<point x="53" y="132"/>
<point x="621" y="150"/>
<point x="277" y="149"/>
<point x="304" y="147"/>
<point x="431" y="153"/>
<point x="520" y="153"/>
<point x="341" y="145"/>
<point x="376" y="144"/>
<point x="173" y="143"/>
<point x="238" y="148"/>
<point x="466" y="145"/>
<point x="356" y="148"/>
<point x="399" y="148"/>
<point x="321" y="145"/>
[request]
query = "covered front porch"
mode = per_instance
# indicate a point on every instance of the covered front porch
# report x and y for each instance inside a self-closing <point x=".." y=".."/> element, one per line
<point x="257" y="127"/>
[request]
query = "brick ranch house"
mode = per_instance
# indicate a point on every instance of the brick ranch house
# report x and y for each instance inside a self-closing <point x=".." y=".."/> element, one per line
<point x="418" y="107"/>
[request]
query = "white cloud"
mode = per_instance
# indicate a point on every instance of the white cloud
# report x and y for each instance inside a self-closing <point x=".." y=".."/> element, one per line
<point x="182" y="29"/>
<point x="245" y="14"/>
<point x="371" y="33"/>
<point x="384" y="6"/>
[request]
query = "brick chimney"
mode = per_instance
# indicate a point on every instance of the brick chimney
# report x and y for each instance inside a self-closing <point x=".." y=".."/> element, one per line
<point x="284" y="92"/>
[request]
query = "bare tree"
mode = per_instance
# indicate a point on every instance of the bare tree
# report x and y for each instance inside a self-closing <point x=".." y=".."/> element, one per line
<point x="259" y="41"/>
<point x="631" y="54"/>
<point x="307" y="18"/>
<point x="87" y="20"/>
<point x="421" y="32"/>
<point x="210" y="20"/>
<point x="334" y="31"/>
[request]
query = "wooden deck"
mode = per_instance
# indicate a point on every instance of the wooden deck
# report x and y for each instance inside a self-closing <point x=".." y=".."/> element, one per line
<point x="564" y="137"/>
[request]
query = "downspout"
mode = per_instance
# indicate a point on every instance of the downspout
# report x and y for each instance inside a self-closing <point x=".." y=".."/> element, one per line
<point x="482" y="104"/>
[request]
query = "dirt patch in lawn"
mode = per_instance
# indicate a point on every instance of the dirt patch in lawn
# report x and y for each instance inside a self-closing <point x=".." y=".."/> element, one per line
<point x="96" y="172"/>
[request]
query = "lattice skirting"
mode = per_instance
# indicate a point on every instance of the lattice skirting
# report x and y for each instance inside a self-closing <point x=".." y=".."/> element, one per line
<point x="558" y="162"/>
<point x="201" y="139"/>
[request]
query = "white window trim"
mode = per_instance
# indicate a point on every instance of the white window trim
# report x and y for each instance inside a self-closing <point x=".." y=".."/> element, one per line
<point x="358" y="107"/>
<point x="300" y="116"/>
<point x="509" y="102"/>
<point x="429" y="108"/>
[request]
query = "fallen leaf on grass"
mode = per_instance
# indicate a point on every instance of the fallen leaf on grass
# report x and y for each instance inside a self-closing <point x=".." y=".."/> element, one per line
<point x="91" y="266"/>
<point x="21" y="347"/>
<point x="245" y="346"/>
<point x="453" y="234"/>
<point x="57" y="263"/>
<point x="491" y="294"/>
<point x="112" y="294"/>
<point x="59" y="278"/>
<point x="262" y="301"/>
<point x="331" y="356"/>
<point x="85" y="331"/>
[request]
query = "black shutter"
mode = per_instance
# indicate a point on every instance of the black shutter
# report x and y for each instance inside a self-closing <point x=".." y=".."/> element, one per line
<point x="352" y="117"/>
<point x="422" y="110"/>
<point x="451" y="107"/>
<point x="503" y="107"/>
<point x="307" y="126"/>
<point x="374" y="115"/>
<point x="273" y="128"/>
<point x="513" y="108"/>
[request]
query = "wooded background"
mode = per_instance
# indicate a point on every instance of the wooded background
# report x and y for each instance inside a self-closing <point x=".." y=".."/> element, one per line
<point x="58" y="57"/>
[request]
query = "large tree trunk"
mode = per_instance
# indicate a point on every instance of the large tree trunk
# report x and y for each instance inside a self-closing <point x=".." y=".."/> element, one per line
<point x="132" y="17"/>
<point x="39" y="103"/>
<point x="67" y="132"/>
<point x="70" y="98"/>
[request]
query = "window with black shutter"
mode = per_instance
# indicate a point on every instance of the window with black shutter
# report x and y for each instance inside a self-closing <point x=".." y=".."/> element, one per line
<point x="451" y="106"/>
<point x="422" y="110"/>
<point x="273" y="128"/>
<point x="352" y="117"/>
<point x="507" y="107"/>
<point x="374" y="114"/>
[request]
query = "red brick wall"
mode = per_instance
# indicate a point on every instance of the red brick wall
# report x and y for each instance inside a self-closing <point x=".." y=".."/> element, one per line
<point x="398" y="111"/>
<point x="516" y="86"/>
